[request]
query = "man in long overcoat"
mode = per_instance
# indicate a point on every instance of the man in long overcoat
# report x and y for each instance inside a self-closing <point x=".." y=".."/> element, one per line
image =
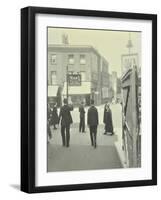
<point x="107" y="119"/>
<point x="92" y="121"/>
<point x="66" y="121"/>
<point x="82" y="118"/>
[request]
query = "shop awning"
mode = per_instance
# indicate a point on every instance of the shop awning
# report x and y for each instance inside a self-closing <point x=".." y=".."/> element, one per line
<point x="85" y="88"/>
<point x="52" y="90"/>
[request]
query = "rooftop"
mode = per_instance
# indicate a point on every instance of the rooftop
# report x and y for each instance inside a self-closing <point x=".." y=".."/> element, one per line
<point x="68" y="47"/>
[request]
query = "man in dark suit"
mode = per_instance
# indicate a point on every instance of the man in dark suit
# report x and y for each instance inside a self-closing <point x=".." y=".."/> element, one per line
<point x="92" y="121"/>
<point x="82" y="118"/>
<point x="66" y="120"/>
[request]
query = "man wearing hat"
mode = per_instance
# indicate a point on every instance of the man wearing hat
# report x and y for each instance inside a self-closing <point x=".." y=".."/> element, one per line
<point x="92" y="121"/>
<point x="66" y="120"/>
<point x="82" y="118"/>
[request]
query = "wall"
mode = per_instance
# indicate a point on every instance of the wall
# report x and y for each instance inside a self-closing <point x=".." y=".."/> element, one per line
<point x="62" y="62"/>
<point x="10" y="99"/>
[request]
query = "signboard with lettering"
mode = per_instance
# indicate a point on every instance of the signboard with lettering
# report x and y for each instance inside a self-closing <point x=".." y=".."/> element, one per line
<point x="74" y="79"/>
<point x="128" y="61"/>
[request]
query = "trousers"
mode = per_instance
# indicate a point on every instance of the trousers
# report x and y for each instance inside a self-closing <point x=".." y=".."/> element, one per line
<point x="82" y="124"/>
<point x="93" y="135"/>
<point x="65" y="133"/>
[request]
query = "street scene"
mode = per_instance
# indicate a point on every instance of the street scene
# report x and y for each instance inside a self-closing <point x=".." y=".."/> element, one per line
<point x="94" y="99"/>
<point x="80" y="155"/>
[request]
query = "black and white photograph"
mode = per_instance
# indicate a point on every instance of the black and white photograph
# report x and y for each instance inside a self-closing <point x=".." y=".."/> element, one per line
<point x="80" y="80"/>
<point x="93" y="99"/>
<point x="89" y="83"/>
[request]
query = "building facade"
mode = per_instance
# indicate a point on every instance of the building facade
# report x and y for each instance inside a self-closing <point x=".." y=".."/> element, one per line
<point x="74" y="59"/>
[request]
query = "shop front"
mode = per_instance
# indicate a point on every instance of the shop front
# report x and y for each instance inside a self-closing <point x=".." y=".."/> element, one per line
<point x="53" y="94"/>
<point x="77" y="94"/>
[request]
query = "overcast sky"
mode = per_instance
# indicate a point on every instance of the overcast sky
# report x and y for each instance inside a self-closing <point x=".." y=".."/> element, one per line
<point x="110" y="44"/>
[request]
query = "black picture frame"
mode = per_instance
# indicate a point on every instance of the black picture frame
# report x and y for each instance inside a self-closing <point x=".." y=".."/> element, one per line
<point x="28" y="91"/>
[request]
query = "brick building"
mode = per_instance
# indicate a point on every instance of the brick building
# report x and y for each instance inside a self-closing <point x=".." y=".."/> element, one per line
<point x="81" y="59"/>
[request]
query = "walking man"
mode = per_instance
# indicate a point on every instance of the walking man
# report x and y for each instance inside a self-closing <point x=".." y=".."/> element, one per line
<point x="54" y="115"/>
<point x="107" y="119"/>
<point x="92" y="121"/>
<point x="66" y="120"/>
<point x="82" y="118"/>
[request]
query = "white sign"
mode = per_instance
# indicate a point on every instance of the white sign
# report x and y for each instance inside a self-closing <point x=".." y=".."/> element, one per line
<point x="128" y="61"/>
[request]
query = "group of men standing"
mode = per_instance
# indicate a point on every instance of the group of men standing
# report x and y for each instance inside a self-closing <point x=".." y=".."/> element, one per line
<point x="92" y="121"/>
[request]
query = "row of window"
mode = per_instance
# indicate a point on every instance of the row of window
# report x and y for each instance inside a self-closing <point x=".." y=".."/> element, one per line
<point x="71" y="59"/>
<point x="53" y="76"/>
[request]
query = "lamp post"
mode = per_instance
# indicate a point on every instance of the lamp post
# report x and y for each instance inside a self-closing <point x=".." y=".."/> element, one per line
<point x="129" y="44"/>
<point x="67" y="82"/>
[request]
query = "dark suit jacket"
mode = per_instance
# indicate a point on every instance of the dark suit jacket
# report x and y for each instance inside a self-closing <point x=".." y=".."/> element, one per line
<point x="92" y="117"/>
<point x="82" y="111"/>
<point x="65" y="115"/>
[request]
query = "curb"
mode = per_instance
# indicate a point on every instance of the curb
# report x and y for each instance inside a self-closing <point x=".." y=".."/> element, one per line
<point x="121" y="154"/>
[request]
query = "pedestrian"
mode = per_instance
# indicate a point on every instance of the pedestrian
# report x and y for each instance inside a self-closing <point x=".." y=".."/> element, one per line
<point x="66" y="121"/>
<point x="55" y="117"/>
<point x="82" y="118"/>
<point x="49" y="123"/>
<point x="92" y="121"/>
<point x="49" y="131"/>
<point x="107" y="119"/>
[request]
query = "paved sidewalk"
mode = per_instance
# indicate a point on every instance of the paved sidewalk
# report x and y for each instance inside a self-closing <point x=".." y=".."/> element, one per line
<point x="77" y="138"/>
<point x="81" y="155"/>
